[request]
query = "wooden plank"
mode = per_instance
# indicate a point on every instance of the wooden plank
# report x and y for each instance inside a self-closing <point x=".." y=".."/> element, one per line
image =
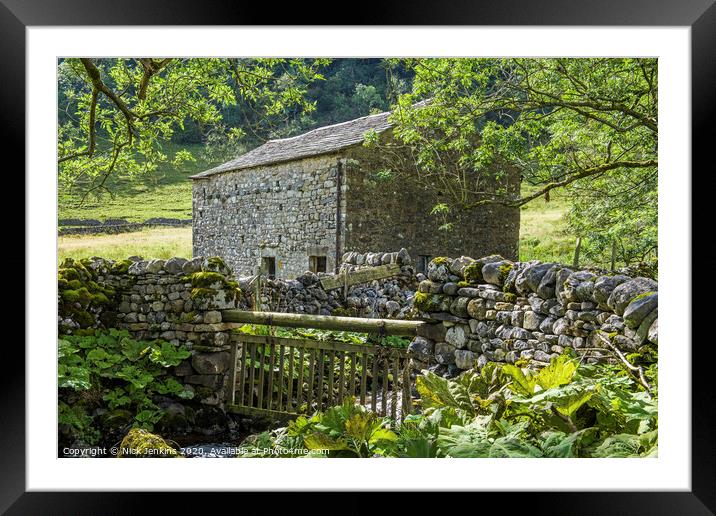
<point x="282" y="350"/>
<point x="407" y="401"/>
<point x="331" y="377"/>
<point x="386" y="370"/>
<point x="289" y="389"/>
<point x="252" y="372"/>
<point x="232" y="377"/>
<point x="365" y="275"/>
<point x="242" y="371"/>
<point x="374" y="385"/>
<point x="301" y="366"/>
<point x="312" y="375"/>
<point x="262" y="360"/>
<point x="272" y="358"/>
<point x="394" y="389"/>
<point x="363" y="378"/>
<point x="311" y="343"/>
<point x="321" y="365"/>
<point x="323" y="322"/>
<point x="341" y="375"/>
<point x="352" y="381"/>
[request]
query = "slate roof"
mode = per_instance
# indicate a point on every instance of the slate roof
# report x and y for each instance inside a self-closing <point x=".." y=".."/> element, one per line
<point x="323" y="140"/>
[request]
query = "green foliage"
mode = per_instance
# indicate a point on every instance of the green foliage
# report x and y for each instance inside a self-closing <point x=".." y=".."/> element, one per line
<point x="502" y="411"/>
<point x="559" y="411"/>
<point x="347" y="430"/>
<point x="111" y="369"/>
<point x="587" y="126"/>
<point x="123" y="110"/>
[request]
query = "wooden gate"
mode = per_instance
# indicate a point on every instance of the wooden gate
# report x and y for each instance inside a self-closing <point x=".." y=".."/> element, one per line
<point x="279" y="376"/>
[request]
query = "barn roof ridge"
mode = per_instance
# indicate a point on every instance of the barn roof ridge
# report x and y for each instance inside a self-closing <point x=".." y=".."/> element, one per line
<point x="318" y="141"/>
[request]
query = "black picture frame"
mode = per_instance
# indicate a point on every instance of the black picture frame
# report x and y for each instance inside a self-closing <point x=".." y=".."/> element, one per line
<point x="700" y="15"/>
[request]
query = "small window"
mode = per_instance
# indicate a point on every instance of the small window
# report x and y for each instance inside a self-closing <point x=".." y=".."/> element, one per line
<point x="268" y="266"/>
<point x="317" y="264"/>
<point x="423" y="261"/>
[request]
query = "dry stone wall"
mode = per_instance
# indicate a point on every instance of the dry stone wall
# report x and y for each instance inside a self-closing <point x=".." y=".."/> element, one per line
<point x="176" y="300"/>
<point x="493" y="309"/>
<point x="384" y="298"/>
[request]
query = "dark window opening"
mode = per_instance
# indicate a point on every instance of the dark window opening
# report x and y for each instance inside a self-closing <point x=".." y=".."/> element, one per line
<point x="268" y="266"/>
<point x="317" y="264"/>
<point x="423" y="261"/>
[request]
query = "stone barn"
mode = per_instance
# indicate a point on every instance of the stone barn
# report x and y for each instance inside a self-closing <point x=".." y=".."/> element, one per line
<point x="297" y="204"/>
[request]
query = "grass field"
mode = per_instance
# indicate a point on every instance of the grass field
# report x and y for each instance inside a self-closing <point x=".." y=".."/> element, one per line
<point x="149" y="243"/>
<point x="164" y="193"/>
<point x="167" y="193"/>
<point x="543" y="231"/>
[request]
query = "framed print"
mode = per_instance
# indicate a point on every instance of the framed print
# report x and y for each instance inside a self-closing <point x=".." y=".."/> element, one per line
<point x="421" y="257"/>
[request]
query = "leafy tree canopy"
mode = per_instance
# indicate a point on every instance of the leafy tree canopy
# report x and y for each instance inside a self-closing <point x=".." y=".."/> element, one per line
<point x="116" y="113"/>
<point x="586" y="125"/>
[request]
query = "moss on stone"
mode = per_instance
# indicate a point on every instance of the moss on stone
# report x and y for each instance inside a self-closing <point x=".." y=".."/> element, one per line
<point x="121" y="266"/>
<point x="427" y="302"/>
<point x="442" y="260"/>
<point x="510" y="297"/>
<point x="68" y="274"/>
<point x="83" y="318"/>
<point x="206" y="279"/>
<point x="642" y="296"/>
<point x="141" y="443"/>
<point x="202" y="293"/>
<point x="345" y="312"/>
<point x="71" y="296"/>
<point x="73" y="284"/>
<point x="505" y="270"/>
<point x="100" y="299"/>
<point x="215" y="262"/>
<point x="473" y="273"/>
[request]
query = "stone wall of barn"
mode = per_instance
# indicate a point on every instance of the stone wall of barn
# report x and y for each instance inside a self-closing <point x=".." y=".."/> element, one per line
<point x="393" y="213"/>
<point x="285" y="211"/>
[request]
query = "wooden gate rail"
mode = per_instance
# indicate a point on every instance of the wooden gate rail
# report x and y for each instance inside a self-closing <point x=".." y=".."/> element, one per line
<point x="280" y="376"/>
<point x="323" y="322"/>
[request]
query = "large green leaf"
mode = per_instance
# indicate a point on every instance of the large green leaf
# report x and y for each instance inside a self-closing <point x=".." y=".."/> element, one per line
<point x="560" y="371"/>
<point x="521" y="384"/>
<point x="628" y="445"/>
<point x="559" y="444"/>
<point x="436" y="392"/>
<point x="321" y="441"/>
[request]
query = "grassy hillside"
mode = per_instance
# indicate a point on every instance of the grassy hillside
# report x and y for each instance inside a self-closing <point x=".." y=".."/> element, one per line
<point x="164" y="193"/>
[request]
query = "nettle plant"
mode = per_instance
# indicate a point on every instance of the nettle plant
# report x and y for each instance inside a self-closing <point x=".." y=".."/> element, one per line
<point x="109" y="371"/>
